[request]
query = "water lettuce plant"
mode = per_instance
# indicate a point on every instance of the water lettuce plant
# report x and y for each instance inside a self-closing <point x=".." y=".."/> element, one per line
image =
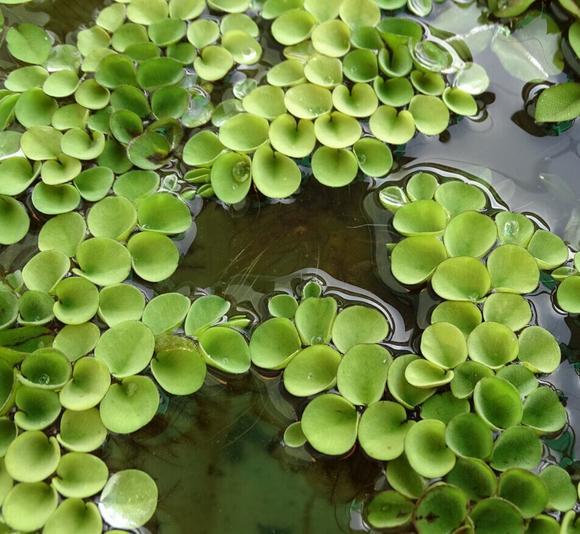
<point x="482" y="410"/>
<point x="63" y="394"/>
<point x="71" y="390"/>
<point x="456" y="411"/>
<point x="138" y="91"/>
<point x="106" y="142"/>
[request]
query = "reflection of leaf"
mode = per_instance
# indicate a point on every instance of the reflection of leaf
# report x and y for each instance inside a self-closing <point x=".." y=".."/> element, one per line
<point x="456" y="18"/>
<point x="572" y="231"/>
<point x="531" y="52"/>
<point x="20" y="14"/>
<point x="559" y="103"/>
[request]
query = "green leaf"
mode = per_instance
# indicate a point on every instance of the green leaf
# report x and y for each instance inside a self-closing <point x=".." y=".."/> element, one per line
<point x="574" y="37"/>
<point x="29" y="43"/>
<point x="510" y="8"/>
<point x="129" y="499"/>
<point x="559" y="103"/>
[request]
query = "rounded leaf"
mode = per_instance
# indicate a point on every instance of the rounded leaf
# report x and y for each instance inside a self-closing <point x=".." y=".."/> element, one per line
<point x="166" y="312"/>
<point x="80" y="475"/>
<point x="495" y="514"/>
<point x="362" y="373"/>
<point x="119" y="303"/>
<point x="129" y="499"/>
<point x="426" y="449"/>
<point x="389" y="509"/>
<point x="392" y="126"/>
<point x="543" y="411"/>
<point x="77" y="300"/>
<point x="89" y="383"/>
<point x="308" y="101"/>
<point x="154" y="256"/>
<point x="464" y="315"/>
<point x="400" y="388"/>
<point x="244" y="132"/>
<point x="28" y="506"/>
<point x="334" y="167"/>
<point x="129" y="405"/>
<point x="498" y="402"/>
<point x="444" y="345"/>
<point x="469" y="436"/>
<point x="382" y="429"/>
<point x="291" y="137"/>
<point x="539" y="350"/>
<point x="561" y="492"/>
<point x="513" y="270"/>
<point x="518" y="446"/>
<point x="442" y="508"/>
<point x="422" y="217"/>
<point x="508" y="309"/>
<point x="126" y="348"/>
<point x="274" y="174"/>
<point x="82" y="431"/>
<point x="73" y="516"/>
<point x="311" y="371"/>
<point x="330" y="423"/>
<point x="225" y="349"/>
<point x="524" y="489"/>
<point x="492" y="344"/>
<point x="14" y="221"/>
<point x="414" y="259"/>
<point x="274" y="343"/>
<point x="179" y="371"/>
<point x="32" y="457"/>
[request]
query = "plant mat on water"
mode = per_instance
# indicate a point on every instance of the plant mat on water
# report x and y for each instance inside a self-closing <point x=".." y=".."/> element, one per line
<point x="88" y="132"/>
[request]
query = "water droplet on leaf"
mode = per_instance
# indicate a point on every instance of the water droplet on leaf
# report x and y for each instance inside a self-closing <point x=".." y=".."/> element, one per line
<point x="241" y="171"/>
<point x="244" y="87"/>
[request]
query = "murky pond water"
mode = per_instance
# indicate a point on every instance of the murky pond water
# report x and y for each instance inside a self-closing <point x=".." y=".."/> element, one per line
<point x="217" y="456"/>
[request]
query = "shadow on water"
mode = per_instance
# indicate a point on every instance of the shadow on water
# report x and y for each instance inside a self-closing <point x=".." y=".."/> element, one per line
<point x="321" y="228"/>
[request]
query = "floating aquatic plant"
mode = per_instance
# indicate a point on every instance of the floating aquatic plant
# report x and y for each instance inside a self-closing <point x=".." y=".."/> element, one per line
<point x="483" y="344"/>
<point x="135" y="93"/>
<point x="96" y="124"/>
<point x="97" y="382"/>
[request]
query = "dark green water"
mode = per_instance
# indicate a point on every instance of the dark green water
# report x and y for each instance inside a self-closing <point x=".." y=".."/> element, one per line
<point x="217" y="456"/>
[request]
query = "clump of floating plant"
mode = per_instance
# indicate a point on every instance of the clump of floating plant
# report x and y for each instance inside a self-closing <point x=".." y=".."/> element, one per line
<point x="336" y="355"/>
<point x="448" y="231"/>
<point x="114" y="350"/>
<point x="79" y="360"/>
<point x="151" y="84"/>
<point x="471" y="460"/>
<point x="343" y="64"/>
